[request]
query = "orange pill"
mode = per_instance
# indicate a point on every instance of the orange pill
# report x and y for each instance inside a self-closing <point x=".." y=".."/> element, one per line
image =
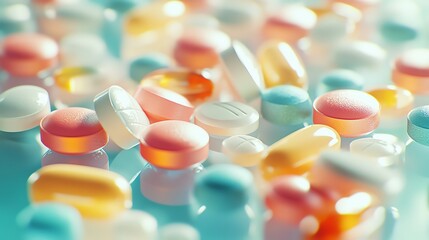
<point x="72" y="131"/>
<point x="95" y="193"/>
<point x="26" y="54"/>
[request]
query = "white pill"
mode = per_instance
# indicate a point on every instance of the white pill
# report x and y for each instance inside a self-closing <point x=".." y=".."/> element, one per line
<point x="178" y="231"/>
<point x="359" y="54"/>
<point x="22" y="108"/>
<point x="121" y="116"/>
<point x="243" y="71"/>
<point x="244" y="150"/>
<point x="82" y="49"/>
<point x="386" y="153"/>
<point x="135" y="225"/>
<point x="227" y="118"/>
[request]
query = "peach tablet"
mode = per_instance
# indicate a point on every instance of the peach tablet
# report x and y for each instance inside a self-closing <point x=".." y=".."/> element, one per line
<point x="352" y="113"/>
<point x="72" y="131"/>
<point x="163" y="104"/>
<point x="174" y="144"/>
<point x="26" y="54"/>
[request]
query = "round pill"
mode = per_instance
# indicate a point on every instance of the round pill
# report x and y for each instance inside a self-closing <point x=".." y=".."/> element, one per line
<point x="121" y="116"/>
<point x="418" y="125"/>
<point x="174" y="144"/>
<point x="411" y="71"/>
<point x="340" y="79"/>
<point x="243" y="71"/>
<point x="286" y="105"/>
<point x="199" y="48"/>
<point x="394" y="101"/>
<point x="244" y="150"/>
<point x="26" y="54"/>
<point x="387" y="154"/>
<point x="223" y="186"/>
<point x="146" y="64"/>
<point x="359" y="54"/>
<point x="163" y="104"/>
<point x="22" y="108"/>
<point x="178" y="231"/>
<point x="72" y="131"/>
<point x="352" y="113"/>
<point x="226" y="118"/>
<point x="82" y="49"/>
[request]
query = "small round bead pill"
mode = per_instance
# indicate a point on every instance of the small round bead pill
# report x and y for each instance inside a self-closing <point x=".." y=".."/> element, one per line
<point x="96" y="193"/>
<point x="72" y="131"/>
<point x="26" y="54"/>
<point x="223" y="186"/>
<point x="244" y="150"/>
<point x="22" y="108"/>
<point x="162" y="104"/>
<point x="174" y="144"/>
<point x="352" y="113"/>
<point x="121" y="116"/>
<point x="286" y="105"/>
<point x="418" y="125"/>
<point x="226" y="118"/>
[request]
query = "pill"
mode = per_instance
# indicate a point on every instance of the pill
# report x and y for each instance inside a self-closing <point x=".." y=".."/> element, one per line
<point x="54" y="221"/>
<point x="359" y="54"/>
<point x="78" y="80"/>
<point x="286" y="105"/>
<point x="243" y="71"/>
<point x="418" y="125"/>
<point x="178" y="231"/>
<point x="340" y="79"/>
<point x="244" y="150"/>
<point x="145" y="64"/>
<point x="223" y="187"/>
<point x="162" y="104"/>
<point x="82" y="49"/>
<point x="174" y="144"/>
<point x="134" y="225"/>
<point x="192" y="85"/>
<point x="22" y="108"/>
<point x="72" y="131"/>
<point x="351" y="113"/>
<point x="226" y="118"/>
<point x="96" y="193"/>
<point x="297" y="152"/>
<point x="289" y="23"/>
<point x="27" y="54"/>
<point x="395" y="102"/>
<point x="387" y="154"/>
<point x="411" y="71"/>
<point x="121" y="116"/>
<point x="281" y="65"/>
<point x="199" y="48"/>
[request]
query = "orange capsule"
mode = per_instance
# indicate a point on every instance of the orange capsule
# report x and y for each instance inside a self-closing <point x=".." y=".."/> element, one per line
<point x="96" y="193"/>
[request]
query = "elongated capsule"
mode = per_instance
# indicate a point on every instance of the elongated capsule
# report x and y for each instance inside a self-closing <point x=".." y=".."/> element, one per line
<point x="96" y="193"/>
<point x="296" y="153"/>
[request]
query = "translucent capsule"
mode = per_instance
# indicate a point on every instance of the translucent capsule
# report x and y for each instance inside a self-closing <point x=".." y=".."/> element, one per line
<point x="94" y="192"/>
<point x="192" y="85"/>
<point x="52" y="221"/>
<point x="351" y="113"/>
<point x="281" y="65"/>
<point x="297" y="152"/>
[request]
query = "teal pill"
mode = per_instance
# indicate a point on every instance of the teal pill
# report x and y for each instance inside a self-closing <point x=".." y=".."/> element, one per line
<point x="397" y="31"/>
<point x="223" y="186"/>
<point x="146" y="64"/>
<point x="418" y="125"/>
<point x="50" y="221"/>
<point x="286" y="105"/>
<point x="340" y="79"/>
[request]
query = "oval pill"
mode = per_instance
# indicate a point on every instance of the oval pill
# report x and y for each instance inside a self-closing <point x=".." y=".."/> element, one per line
<point x="96" y="193"/>
<point x="72" y="131"/>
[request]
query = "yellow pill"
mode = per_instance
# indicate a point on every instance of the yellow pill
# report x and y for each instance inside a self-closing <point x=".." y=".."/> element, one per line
<point x="296" y="153"/>
<point x="96" y="193"/>
<point x="395" y="102"/>
<point x="281" y="65"/>
<point x="78" y="80"/>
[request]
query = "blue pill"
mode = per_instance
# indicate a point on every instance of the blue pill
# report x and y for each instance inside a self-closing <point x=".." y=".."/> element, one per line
<point x="50" y="221"/>
<point x="418" y="124"/>
<point x="340" y="79"/>
<point x="146" y="64"/>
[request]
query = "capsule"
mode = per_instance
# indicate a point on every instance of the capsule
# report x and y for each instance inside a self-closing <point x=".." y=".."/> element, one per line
<point x="95" y="193"/>
<point x="296" y="153"/>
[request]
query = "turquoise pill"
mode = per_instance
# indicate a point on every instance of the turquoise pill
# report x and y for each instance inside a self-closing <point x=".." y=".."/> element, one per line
<point x="340" y="79"/>
<point x="146" y="64"/>
<point x="418" y="125"/>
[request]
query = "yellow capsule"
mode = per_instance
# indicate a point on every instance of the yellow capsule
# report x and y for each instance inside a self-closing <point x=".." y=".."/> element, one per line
<point x="296" y="153"/>
<point x="281" y="65"/>
<point x="95" y="193"/>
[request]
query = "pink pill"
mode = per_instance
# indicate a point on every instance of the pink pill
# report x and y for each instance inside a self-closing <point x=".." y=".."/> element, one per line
<point x="161" y="104"/>
<point x="351" y="113"/>
<point x="174" y="144"/>
<point x="26" y="54"/>
<point x="72" y="131"/>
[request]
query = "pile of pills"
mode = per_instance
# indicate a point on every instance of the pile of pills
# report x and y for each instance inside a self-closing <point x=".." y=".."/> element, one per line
<point x="214" y="120"/>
